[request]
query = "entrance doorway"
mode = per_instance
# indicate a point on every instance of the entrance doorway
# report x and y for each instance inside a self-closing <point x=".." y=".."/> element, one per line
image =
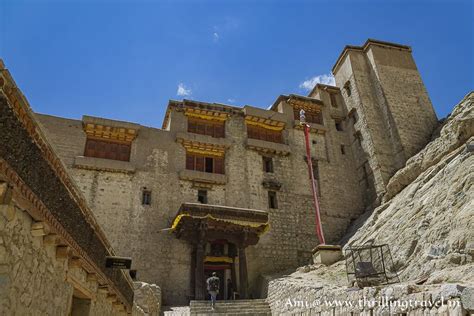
<point x="208" y="270"/>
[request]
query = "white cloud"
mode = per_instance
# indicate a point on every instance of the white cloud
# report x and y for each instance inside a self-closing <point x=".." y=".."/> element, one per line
<point x="183" y="91"/>
<point x="231" y="100"/>
<point x="324" y="79"/>
<point x="215" y="36"/>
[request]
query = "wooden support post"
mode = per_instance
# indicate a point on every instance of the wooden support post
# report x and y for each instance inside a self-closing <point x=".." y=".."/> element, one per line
<point x="199" y="281"/>
<point x="243" y="272"/>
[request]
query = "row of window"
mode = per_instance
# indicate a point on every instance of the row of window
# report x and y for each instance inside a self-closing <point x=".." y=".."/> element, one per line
<point x="121" y="151"/>
<point x="204" y="164"/>
<point x="204" y="127"/>
<point x="107" y="150"/>
<point x="261" y="133"/>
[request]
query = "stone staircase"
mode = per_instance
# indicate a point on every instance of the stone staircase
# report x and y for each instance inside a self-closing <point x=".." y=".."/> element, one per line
<point x="257" y="307"/>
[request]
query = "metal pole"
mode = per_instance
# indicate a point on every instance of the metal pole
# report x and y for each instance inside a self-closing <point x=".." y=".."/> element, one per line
<point x="319" y="228"/>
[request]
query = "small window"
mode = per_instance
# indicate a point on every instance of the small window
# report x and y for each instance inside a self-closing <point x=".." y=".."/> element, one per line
<point x="146" y="197"/>
<point x="333" y="99"/>
<point x="267" y="164"/>
<point x="81" y="304"/>
<point x="338" y="124"/>
<point x="347" y="87"/>
<point x="343" y="150"/>
<point x="272" y="200"/>
<point x="202" y="196"/>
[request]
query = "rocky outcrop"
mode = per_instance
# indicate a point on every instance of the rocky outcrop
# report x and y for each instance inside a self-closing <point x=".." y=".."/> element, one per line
<point x="147" y="299"/>
<point x="427" y="219"/>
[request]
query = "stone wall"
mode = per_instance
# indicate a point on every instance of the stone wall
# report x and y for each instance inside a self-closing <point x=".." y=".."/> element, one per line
<point x="32" y="280"/>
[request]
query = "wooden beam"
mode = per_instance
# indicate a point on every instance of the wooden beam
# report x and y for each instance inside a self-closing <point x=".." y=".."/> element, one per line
<point x="91" y="277"/>
<point x="39" y="229"/>
<point x="103" y="289"/>
<point x="62" y="252"/>
<point x="111" y="298"/>
<point x="7" y="208"/>
<point x="75" y="263"/>
<point x="50" y="240"/>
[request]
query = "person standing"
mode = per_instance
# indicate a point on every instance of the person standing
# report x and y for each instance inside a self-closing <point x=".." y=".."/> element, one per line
<point x="213" y="288"/>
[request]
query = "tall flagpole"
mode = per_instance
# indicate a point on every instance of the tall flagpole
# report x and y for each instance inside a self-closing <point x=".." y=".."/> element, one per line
<point x="319" y="227"/>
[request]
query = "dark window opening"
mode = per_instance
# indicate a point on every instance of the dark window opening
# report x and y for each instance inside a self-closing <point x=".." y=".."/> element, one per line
<point x="217" y="249"/>
<point x="343" y="150"/>
<point x="338" y="124"/>
<point x="209" y="165"/>
<point x="107" y="150"/>
<point x="347" y="87"/>
<point x="202" y="196"/>
<point x="205" y="164"/>
<point x="204" y="127"/>
<point x="333" y="99"/>
<point x="81" y="304"/>
<point x="267" y="164"/>
<point x="146" y="197"/>
<point x="272" y="200"/>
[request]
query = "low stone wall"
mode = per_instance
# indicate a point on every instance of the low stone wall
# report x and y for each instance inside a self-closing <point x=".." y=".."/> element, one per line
<point x="33" y="281"/>
<point x="147" y="299"/>
<point x="286" y="298"/>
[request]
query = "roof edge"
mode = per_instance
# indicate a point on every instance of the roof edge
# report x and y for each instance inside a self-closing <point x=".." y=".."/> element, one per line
<point x="365" y="47"/>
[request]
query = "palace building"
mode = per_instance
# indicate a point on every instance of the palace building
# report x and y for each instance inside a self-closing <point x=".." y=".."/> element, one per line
<point x="225" y="189"/>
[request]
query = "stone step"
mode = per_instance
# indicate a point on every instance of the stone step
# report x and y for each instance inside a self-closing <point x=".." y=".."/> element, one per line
<point x="231" y="308"/>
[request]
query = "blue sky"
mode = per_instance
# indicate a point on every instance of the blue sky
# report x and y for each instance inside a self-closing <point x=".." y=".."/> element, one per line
<point x="124" y="60"/>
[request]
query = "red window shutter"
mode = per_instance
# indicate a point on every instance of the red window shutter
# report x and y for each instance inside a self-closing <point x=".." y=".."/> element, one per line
<point x="209" y="129"/>
<point x="191" y="126"/>
<point x="219" y="165"/>
<point x="200" y="128"/>
<point x="189" y="162"/>
<point x="220" y="130"/>
<point x="199" y="163"/>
